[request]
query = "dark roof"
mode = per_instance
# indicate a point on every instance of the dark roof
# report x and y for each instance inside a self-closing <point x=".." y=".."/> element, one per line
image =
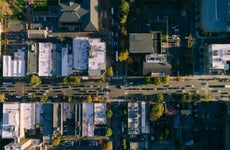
<point x="140" y="43"/>
<point x="86" y="14"/>
<point x="148" y="68"/>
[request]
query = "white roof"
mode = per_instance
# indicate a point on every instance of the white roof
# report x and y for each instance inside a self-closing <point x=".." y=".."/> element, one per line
<point x="27" y="117"/>
<point x="99" y="113"/>
<point x="45" y="59"/>
<point x="80" y="53"/>
<point x="87" y="119"/>
<point x="220" y="56"/>
<point x="10" y="125"/>
<point x="14" y="67"/>
<point x="97" y="57"/>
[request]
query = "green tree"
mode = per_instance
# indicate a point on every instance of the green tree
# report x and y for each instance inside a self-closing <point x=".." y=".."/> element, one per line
<point x="123" y="55"/>
<point x="65" y="80"/>
<point x="35" y="80"/>
<point x="89" y="99"/>
<point x="109" y="113"/>
<point x="70" y="99"/>
<point x="124" y="31"/>
<point x="157" y="80"/>
<point x="57" y="141"/>
<point x="124" y="146"/>
<point x="74" y="80"/>
<point x="124" y="7"/>
<point x="148" y="80"/>
<point x="160" y="97"/>
<point x="44" y="99"/>
<point x="110" y="71"/>
<point x="156" y="111"/>
<point x="2" y="98"/>
<point x="109" y="132"/>
<point x="195" y="97"/>
<point x="165" y="79"/>
<point x="123" y="19"/>
<point x="102" y="79"/>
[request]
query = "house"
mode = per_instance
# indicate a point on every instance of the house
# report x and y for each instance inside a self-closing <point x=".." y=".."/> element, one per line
<point x="14" y="66"/>
<point x="218" y="58"/>
<point x="79" y="16"/>
<point x="11" y="121"/>
<point x="89" y="55"/>
<point x="23" y="144"/>
<point x="145" y="43"/>
<point x="156" y="65"/>
<point x="214" y="15"/>
<point x="138" y="122"/>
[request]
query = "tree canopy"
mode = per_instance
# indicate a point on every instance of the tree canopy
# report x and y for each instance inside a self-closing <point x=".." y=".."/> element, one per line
<point x="44" y="99"/>
<point x="2" y="97"/>
<point x="35" y="80"/>
<point x="108" y="146"/>
<point x="160" y="97"/>
<point x="157" y="80"/>
<point x="123" y="55"/>
<point x="165" y="79"/>
<point x="89" y="99"/>
<point x="124" y="7"/>
<point x="109" y="132"/>
<point x="109" y="113"/>
<point x="156" y="111"/>
<point x="5" y="8"/>
<point x="110" y="71"/>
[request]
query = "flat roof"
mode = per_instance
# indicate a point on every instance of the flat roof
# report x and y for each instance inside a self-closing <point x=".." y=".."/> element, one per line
<point x="141" y="43"/>
<point x="97" y="58"/>
<point x="215" y="15"/>
<point x="37" y="34"/>
<point x="87" y="119"/>
<point x="14" y="66"/>
<point x="66" y="63"/>
<point x="27" y="117"/>
<point x="220" y="55"/>
<point x="45" y="59"/>
<point x="99" y="113"/>
<point x="11" y="121"/>
<point x="80" y="53"/>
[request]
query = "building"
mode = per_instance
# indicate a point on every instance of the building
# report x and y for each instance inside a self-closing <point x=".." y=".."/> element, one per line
<point x="46" y="125"/>
<point x="215" y="15"/>
<point x="67" y="62"/>
<point x="23" y="144"/>
<point x="27" y="119"/>
<point x="14" y="66"/>
<point x="138" y="122"/>
<point x="99" y="113"/>
<point x="218" y="58"/>
<point x="97" y="57"/>
<point x="37" y="34"/>
<point x="156" y="65"/>
<point x="76" y="16"/>
<point x="11" y="121"/>
<point x="87" y="120"/>
<point x="89" y="56"/>
<point x="45" y="59"/>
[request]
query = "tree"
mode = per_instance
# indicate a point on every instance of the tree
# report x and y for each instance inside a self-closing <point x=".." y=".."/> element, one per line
<point x="124" y="7"/>
<point x="123" y="19"/>
<point x="44" y="99"/>
<point x="2" y="97"/>
<point x="70" y="99"/>
<point x="123" y="55"/>
<point x="159" y="97"/>
<point x="148" y="80"/>
<point x="178" y="78"/>
<point x="109" y="113"/>
<point x="165" y="79"/>
<point x="109" y="132"/>
<point x="5" y="8"/>
<point x="102" y="79"/>
<point x="110" y="71"/>
<point x="57" y="141"/>
<point x="108" y="146"/>
<point x="96" y="99"/>
<point x="65" y="80"/>
<point x="195" y="97"/>
<point x="89" y="99"/>
<point x="74" y="80"/>
<point x="157" y="80"/>
<point x="124" y="31"/>
<point x="124" y="146"/>
<point x="35" y="80"/>
<point x="156" y="111"/>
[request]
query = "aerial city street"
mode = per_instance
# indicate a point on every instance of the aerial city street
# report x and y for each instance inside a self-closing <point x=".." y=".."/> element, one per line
<point x="114" y="75"/>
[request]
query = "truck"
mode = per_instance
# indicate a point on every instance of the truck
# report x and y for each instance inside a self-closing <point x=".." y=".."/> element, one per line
<point x="116" y="56"/>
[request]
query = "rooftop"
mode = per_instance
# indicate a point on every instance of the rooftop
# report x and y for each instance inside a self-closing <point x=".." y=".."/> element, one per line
<point x="220" y="56"/>
<point x="87" y="119"/>
<point x="37" y="34"/>
<point x="99" y="113"/>
<point x="216" y="14"/>
<point x="14" y="66"/>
